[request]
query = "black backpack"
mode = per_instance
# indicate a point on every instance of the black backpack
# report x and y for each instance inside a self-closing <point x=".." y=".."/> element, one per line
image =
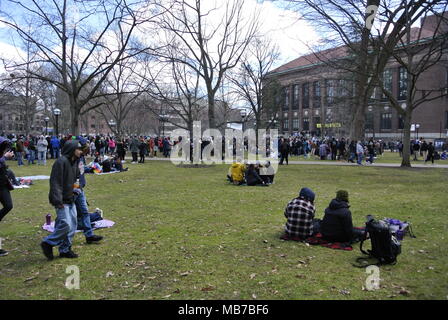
<point x="385" y="247"/>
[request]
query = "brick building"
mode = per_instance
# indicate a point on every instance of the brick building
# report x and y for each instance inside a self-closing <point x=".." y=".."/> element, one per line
<point x="316" y="97"/>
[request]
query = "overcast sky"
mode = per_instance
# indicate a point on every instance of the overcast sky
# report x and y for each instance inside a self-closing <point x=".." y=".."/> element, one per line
<point x="279" y="24"/>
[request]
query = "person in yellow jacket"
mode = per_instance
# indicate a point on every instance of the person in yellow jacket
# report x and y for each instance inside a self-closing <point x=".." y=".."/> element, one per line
<point x="236" y="173"/>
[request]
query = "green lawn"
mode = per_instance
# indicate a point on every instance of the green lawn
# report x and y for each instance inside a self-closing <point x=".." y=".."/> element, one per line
<point x="186" y="234"/>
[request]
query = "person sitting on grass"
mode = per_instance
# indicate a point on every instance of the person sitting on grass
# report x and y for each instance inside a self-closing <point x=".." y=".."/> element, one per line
<point x="252" y="177"/>
<point x="267" y="173"/>
<point x="236" y="173"/>
<point x="337" y="225"/>
<point x="117" y="165"/>
<point x="299" y="214"/>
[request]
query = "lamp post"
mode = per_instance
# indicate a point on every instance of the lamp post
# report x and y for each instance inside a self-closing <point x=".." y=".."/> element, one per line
<point x="417" y="126"/>
<point x="163" y="118"/>
<point x="112" y="124"/>
<point x="46" y="119"/>
<point x="243" y="114"/>
<point x="57" y="113"/>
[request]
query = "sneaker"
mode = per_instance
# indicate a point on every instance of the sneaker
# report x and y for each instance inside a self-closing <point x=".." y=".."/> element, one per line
<point x="98" y="210"/>
<point x="70" y="254"/>
<point x="47" y="249"/>
<point x="94" y="239"/>
<point x="3" y="253"/>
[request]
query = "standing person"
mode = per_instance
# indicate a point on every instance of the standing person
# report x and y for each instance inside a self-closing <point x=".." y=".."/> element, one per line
<point x="323" y="148"/>
<point x="359" y="152"/>
<point x="92" y="148"/>
<point x="121" y="149"/>
<point x="151" y="147"/>
<point x="142" y="150"/>
<point x="424" y="150"/>
<point x="62" y="183"/>
<point x="352" y="151"/>
<point x="416" y="149"/>
<point x="134" y="149"/>
<point x="5" y="195"/>
<point x="56" y="147"/>
<point x="371" y="151"/>
<point x="430" y="152"/>
<point x="334" y="148"/>
<point x="19" y="151"/>
<point x="284" y="151"/>
<point x="299" y="214"/>
<point x="111" y="146"/>
<point x="42" y="146"/>
<point x="83" y="215"/>
<point x="32" y="150"/>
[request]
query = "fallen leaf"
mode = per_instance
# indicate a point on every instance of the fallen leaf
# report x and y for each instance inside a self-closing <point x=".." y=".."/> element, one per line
<point x="253" y="275"/>
<point x="210" y="288"/>
<point x="109" y="274"/>
<point x="29" y="279"/>
<point x="254" y="296"/>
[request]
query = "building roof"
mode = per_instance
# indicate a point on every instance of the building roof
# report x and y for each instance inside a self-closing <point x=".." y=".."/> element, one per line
<point x="426" y="31"/>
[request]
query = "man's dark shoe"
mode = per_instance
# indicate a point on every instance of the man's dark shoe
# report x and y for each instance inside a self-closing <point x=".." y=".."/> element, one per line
<point x="3" y="253"/>
<point x="94" y="239"/>
<point x="47" y="249"/>
<point x="70" y="254"/>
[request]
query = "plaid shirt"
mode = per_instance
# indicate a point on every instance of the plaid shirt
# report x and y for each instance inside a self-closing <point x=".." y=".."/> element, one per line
<point x="300" y="214"/>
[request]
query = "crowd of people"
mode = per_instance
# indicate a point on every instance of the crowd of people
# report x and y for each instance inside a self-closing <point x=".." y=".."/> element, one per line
<point x="37" y="149"/>
<point x="351" y="151"/>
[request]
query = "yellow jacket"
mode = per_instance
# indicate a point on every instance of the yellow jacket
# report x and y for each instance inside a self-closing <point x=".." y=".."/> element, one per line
<point x="237" y="171"/>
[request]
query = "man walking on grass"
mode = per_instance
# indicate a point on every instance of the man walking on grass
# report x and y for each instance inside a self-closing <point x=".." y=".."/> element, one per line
<point x="62" y="183"/>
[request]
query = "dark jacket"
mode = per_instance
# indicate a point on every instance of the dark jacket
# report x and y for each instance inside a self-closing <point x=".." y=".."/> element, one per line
<point x="337" y="223"/>
<point x="253" y="178"/>
<point x="63" y="176"/>
<point x="4" y="143"/>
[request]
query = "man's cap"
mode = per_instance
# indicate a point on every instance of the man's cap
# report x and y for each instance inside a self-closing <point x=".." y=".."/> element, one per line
<point x="307" y="194"/>
<point x="342" y="195"/>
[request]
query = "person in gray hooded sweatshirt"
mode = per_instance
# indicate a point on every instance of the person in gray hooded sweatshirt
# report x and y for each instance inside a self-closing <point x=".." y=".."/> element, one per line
<point x="62" y="183"/>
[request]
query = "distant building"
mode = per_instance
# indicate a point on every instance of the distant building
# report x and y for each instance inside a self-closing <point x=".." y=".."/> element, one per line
<point x="316" y="98"/>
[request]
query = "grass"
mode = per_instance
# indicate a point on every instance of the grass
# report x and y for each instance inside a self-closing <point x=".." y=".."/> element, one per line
<point x="186" y="234"/>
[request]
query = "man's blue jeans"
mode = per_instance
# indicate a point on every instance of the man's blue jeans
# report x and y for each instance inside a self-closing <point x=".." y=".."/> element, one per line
<point x="19" y="158"/>
<point x="64" y="228"/>
<point x="55" y="153"/>
<point x="83" y="214"/>
<point x="42" y="157"/>
<point x="359" y="158"/>
<point x="31" y="157"/>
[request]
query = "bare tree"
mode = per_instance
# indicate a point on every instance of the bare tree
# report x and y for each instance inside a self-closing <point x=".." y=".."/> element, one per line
<point x="66" y="38"/>
<point x="207" y="43"/>
<point x="417" y="55"/>
<point x="348" y="24"/>
<point x="250" y="80"/>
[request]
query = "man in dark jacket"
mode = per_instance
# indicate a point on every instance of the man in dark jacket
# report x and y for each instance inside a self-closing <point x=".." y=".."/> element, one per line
<point x="5" y="195"/>
<point x="284" y="150"/>
<point x="337" y="225"/>
<point x="62" y="183"/>
<point x="430" y="153"/>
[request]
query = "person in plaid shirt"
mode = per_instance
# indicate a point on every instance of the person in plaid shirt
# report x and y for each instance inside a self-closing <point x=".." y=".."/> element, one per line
<point x="300" y="213"/>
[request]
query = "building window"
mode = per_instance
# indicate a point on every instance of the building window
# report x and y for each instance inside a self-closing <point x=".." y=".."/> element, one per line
<point x="330" y="86"/>
<point x="285" y="124"/>
<point x="295" y="124"/>
<point x="305" y="95"/>
<point x="306" y="124"/>
<point x="387" y="82"/>
<point x="400" y="122"/>
<point x="286" y="98"/>
<point x="295" y="97"/>
<point x="316" y="94"/>
<point x="402" y="83"/>
<point x="386" y="121"/>
<point x="446" y="119"/>
<point x="369" y="120"/>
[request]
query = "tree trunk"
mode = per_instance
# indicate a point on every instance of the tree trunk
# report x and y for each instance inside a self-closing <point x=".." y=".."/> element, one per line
<point x="211" y="111"/>
<point x="406" y="160"/>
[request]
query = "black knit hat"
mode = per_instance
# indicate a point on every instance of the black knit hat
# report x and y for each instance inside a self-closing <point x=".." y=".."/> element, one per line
<point x="342" y="195"/>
